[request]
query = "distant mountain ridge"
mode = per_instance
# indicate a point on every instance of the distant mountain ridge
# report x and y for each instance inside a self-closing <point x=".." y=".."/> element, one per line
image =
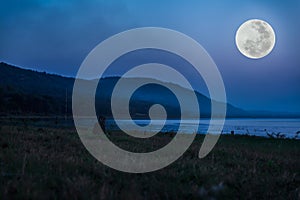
<point x="29" y="92"/>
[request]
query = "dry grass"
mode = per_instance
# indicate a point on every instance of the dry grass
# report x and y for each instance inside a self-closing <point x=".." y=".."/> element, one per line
<point x="51" y="163"/>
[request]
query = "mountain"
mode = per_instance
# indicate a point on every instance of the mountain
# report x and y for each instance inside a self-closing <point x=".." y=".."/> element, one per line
<point x="28" y="92"/>
<point x="151" y="94"/>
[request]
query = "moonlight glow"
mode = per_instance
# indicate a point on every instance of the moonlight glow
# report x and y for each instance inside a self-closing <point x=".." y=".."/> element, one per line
<point x="255" y="38"/>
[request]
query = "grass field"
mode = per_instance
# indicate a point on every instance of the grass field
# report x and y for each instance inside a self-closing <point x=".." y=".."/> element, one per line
<point x="50" y="162"/>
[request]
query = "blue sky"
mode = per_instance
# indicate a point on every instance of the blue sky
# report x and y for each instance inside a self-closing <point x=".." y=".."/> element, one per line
<point x="56" y="35"/>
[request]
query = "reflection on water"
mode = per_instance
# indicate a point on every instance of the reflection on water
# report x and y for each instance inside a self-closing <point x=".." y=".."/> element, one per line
<point x="259" y="127"/>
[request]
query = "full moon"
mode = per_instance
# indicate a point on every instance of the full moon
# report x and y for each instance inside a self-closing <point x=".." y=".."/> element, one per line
<point x="255" y="38"/>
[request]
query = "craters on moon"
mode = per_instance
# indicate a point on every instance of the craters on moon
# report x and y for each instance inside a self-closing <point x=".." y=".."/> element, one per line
<point x="255" y="38"/>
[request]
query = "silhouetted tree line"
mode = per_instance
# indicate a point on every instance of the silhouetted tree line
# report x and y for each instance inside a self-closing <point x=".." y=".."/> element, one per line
<point x="14" y="102"/>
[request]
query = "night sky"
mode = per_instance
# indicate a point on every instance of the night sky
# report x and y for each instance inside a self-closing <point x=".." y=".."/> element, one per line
<point x="56" y="35"/>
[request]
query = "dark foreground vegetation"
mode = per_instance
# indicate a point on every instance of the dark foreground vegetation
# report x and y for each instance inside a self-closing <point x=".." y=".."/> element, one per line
<point x="46" y="160"/>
